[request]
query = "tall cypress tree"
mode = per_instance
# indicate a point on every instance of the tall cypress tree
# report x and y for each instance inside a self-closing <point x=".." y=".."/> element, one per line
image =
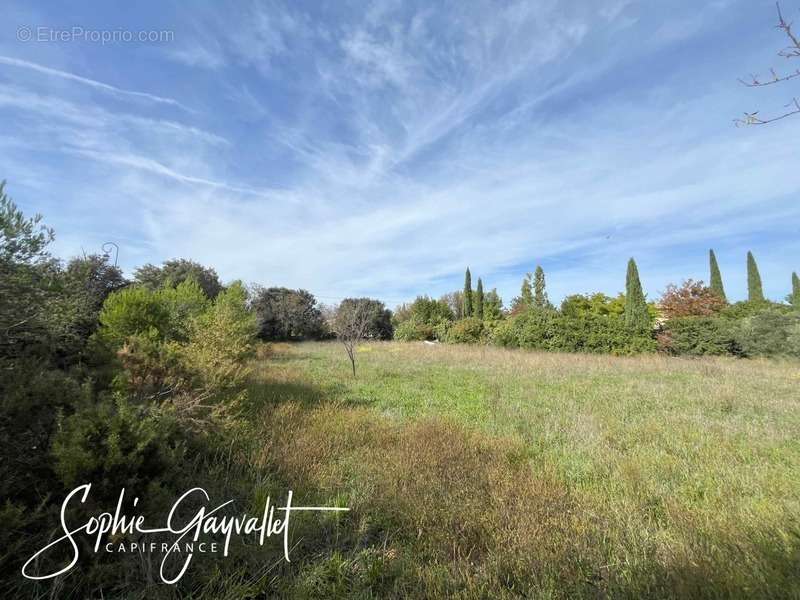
<point x="795" y="297"/>
<point x="479" y="300"/>
<point x="636" y="315"/>
<point x="467" y="294"/>
<point x="755" y="292"/>
<point x="540" y="299"/>
<point x="716" y="276"/>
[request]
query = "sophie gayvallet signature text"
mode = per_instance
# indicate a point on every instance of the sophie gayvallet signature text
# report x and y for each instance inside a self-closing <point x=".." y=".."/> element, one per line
<point x="205" y="521"/>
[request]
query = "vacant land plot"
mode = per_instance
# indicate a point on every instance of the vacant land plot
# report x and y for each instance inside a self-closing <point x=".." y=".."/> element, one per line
<point x="480" y="472"/>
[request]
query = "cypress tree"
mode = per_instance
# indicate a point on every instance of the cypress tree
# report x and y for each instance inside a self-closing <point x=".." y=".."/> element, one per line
<point x="716" y="276"/>
<point x="636" y="315"/>
<point x="540" y="299"/>
<point x="755" y="292"/>
<point x="795" y="297"/>
<point x="467" y="294"/>
<point x="479" y="300"/>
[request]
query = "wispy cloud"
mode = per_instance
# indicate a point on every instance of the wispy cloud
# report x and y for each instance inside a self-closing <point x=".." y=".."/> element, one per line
<point x="382" y="150"/>
<point x="98" y="85"/>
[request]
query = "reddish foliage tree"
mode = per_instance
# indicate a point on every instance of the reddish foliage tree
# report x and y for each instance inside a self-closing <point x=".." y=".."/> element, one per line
<point x="692" y="299"/>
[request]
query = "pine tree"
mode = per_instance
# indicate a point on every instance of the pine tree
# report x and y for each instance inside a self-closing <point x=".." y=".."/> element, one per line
<point x="479" y="300"/>
<point x="467" y="294"/>
<point x="755" y="292"/>
<point x="794" y="299"/>
<point x="716" y="276"/>
<point x="540" y="299"/>
<point x="636" y="314"/>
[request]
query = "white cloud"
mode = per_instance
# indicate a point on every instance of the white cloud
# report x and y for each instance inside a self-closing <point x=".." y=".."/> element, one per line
<point x="424" y="142"/>
<point x="98" y="85"/>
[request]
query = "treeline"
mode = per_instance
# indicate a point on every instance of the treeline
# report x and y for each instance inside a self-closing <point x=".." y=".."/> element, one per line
<point x="690" y="319"/>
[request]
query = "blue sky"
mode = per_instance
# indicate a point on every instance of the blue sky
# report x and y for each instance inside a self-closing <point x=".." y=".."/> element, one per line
<point x="379" y="148"/>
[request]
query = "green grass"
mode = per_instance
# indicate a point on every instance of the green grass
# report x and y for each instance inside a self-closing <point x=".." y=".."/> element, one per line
<point x="485" y="472"/>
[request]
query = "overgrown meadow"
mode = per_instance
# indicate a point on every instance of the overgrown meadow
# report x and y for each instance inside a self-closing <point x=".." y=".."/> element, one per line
<point x="604" y="448"/>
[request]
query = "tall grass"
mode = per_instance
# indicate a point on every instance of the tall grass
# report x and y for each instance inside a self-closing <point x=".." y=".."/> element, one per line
<point x="478" y="472"/>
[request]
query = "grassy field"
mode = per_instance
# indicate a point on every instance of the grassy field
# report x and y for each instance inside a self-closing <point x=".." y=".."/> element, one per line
<point x="478" y="472"/>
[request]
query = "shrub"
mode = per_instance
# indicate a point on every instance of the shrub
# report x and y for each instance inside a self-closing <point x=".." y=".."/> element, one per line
<point x="184" y="303"/>
<point x="413" y="331"/>
<point x="134" y="310"/>
<point x="696" y="336"/>
<point x="536" y="329"/>
<point x="600" y="304"/>
<point x="465" y="331"/>
<point x="743" y="310"/>
<point x="222" y="338"/>
<point x="573" y="332"/>
<point x="115" y="444"/>
<point x="769" y="332"/>
<point x="427" y="310"/>
<point x="599" y="334"/>
<point x="505" y="333"/>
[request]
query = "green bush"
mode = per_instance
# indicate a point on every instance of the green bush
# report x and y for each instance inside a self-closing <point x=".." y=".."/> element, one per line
<point x="772" y="331"/>
<point x="573" y="332"/>
<point x="414" y="331"/>
<point x="465" y="331"/>
<point x="134" y="310"/>
<point x="697" y="336"/>
<point x="743" y="310"/>
<point x="222" y="339"/>
<point x="600" y="334"/>
<point x="115" y="444"/>
<point x="505" y="333"/>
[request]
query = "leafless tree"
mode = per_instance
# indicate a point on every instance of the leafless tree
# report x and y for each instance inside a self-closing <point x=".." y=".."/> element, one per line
<point x="351" y="323"/>
<point x="792" y="51"/>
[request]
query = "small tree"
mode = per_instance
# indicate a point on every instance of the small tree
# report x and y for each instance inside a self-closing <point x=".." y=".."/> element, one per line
<point x="755" y="292"/>
<point x="716" y="277"/>
<point x="351" y="323"/>
<point x="692" y="299"/>
<point x="467" y="294"/>
<point x="636" y="313"/>
<point x="479" y="300"/>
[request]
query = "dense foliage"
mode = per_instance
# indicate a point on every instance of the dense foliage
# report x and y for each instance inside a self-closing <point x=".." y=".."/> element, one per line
<point x="285" y="314"/>
<point x="176" y="271"/>
<point x="692" y="299"/>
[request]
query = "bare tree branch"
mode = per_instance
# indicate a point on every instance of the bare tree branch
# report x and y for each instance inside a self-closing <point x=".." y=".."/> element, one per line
<point x="754" y="119"/>
<point x="791" y="51"/>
